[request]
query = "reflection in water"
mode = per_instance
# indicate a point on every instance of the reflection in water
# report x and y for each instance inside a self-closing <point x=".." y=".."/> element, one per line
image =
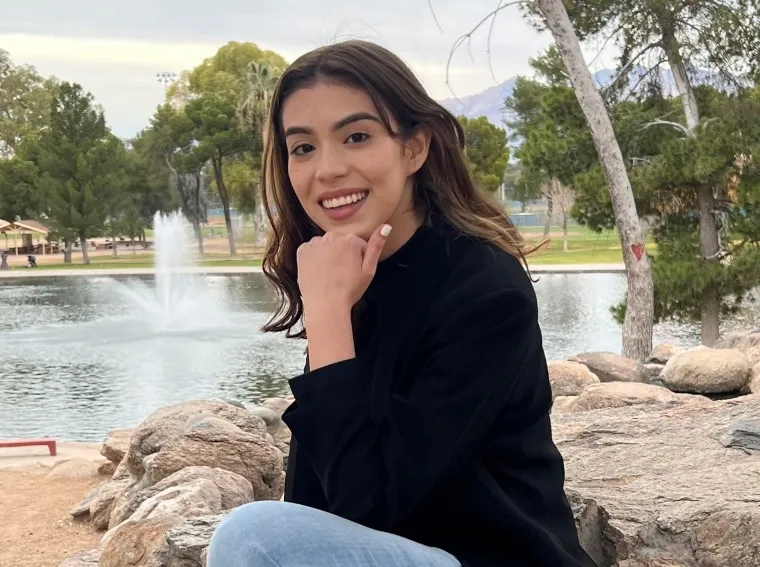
<point x="77" y="359"/>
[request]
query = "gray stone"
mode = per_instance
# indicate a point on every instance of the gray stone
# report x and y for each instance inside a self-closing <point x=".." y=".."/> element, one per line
<point x="89" y="558"/>
<point x="188" y="541"/>
<point x="744" y="435"/>
<point x="611" y="367"/>
<point x="654" y="484"/>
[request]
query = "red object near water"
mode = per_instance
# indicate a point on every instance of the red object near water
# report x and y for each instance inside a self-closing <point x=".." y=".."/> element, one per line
<point x="51" y="444"/>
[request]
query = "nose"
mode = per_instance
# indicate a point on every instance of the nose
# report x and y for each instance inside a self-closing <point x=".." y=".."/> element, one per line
<point x="332" y="164"/>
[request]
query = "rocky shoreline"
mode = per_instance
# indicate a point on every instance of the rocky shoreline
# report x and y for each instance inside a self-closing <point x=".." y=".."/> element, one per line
<point x="662" y="461"/>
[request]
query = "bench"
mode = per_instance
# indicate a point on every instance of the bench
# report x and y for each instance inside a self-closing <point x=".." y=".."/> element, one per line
<point x="51" y="445"/>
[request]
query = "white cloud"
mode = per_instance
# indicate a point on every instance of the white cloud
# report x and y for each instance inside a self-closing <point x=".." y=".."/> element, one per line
<point x="116" y="53"/>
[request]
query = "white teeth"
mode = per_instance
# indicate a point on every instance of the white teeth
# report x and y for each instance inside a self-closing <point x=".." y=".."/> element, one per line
<point x="343" y="201"/>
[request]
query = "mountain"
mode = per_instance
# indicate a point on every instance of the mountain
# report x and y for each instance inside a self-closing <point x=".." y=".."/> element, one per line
<point x="490" y="102"/>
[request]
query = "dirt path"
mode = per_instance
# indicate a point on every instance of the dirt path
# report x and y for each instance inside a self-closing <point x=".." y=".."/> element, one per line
<point x="35" y="527"/>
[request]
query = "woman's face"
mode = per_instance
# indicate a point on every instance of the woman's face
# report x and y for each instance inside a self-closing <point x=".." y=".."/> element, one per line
<point x="349" y="174"/>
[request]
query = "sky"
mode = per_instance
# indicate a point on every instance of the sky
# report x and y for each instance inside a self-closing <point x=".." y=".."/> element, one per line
<point x="115" y="49"/>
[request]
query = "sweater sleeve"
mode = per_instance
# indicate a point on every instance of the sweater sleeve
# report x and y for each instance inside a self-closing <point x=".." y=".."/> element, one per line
<point x="377" y="471"/>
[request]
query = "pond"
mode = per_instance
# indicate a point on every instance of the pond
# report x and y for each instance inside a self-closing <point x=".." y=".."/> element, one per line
<point x="82" y="355"/>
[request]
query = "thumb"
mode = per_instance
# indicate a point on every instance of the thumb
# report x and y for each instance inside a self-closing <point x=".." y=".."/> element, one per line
<point x="374" y="249"/>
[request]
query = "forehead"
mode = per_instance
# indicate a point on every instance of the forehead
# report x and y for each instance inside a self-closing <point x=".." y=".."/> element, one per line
<point x="323" y="104"/>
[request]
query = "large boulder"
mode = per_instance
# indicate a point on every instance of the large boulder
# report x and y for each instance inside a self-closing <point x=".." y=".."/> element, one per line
<point x="98" y="504"/>
<point x="657" y="485"/>
<point x="138" y="544"/>
<point x="621" y="394"/>
<point x="166" y="424"/>
<point x="116" y="445"/>
<point x="740" y="340"/>
<point x="192" y="491"/>
<point x="662" y="353"/>
<point x="215" y="442"/>
<point x="611" y="367"/>
<point x="563" y="404"/>
<point x="569" y="378"/>
<point x="704" y="370"/>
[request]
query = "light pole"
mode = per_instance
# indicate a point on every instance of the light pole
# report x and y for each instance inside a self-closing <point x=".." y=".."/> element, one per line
<point x="166" y="78"/>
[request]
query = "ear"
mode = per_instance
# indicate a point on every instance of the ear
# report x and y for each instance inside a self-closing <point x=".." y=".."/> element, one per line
<point x="416" y="149"/>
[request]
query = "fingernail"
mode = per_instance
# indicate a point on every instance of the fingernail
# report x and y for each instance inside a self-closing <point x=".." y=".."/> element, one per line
<point x="386" y="230"/>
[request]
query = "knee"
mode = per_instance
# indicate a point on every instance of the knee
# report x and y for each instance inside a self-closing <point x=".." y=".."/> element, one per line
<point x="251" y="535"/>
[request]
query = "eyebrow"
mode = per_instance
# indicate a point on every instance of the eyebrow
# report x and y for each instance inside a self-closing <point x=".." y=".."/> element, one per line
<point x="342" y="123"/>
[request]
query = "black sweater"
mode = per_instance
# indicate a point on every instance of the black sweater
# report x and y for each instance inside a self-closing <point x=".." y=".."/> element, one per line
<point x="439" y="429"/>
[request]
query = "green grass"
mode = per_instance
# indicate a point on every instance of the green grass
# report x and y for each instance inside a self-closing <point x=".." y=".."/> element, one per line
<point x="584" y="247"/>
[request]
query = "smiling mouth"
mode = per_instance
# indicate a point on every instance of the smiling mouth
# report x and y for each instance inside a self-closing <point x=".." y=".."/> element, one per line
<point x="344" y="201"/>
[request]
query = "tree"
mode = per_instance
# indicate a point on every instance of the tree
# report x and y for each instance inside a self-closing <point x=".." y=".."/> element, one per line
<point x="486" y="151"/>
<point x="25" y="99"/>
<point x="218" y="137"/>
<point x="638" y="323"/>
<point x="688" y="35"/>
<point x="561" y="196"/>
<point x="218" y="97"/>
<point x="81" y="165"/>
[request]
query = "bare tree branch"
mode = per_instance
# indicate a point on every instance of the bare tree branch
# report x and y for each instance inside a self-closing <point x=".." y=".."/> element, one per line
<point x="466" y="37"/>
<point x="680" y="127"/>
<point x="435" y="18"/>
<point x="655" y="67"/>
<point x="627" y="67"/>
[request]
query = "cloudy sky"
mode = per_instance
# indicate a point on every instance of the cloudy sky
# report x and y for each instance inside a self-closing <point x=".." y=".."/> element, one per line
<point x="115" y="49"/>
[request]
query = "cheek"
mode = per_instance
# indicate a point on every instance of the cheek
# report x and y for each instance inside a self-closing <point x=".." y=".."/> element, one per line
<point x="384" y="169"/>
<point x="299" y="179"/>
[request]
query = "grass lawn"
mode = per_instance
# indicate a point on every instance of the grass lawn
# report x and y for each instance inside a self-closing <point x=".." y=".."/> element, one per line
<point x="584" y="247"/>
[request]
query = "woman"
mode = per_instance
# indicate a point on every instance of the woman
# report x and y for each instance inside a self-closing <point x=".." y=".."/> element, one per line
<point x="421" y="432"/>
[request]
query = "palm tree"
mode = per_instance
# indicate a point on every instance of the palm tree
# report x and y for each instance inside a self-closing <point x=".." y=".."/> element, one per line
<point x="259" y="83"/>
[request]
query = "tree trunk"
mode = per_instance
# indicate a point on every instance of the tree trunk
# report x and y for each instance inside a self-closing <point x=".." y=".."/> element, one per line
<point x="132" y="239"/>
<point x="198" y="235"/>
<point x="639" y="315"/>
<point x="113" y="242"/>
<point x="708" y="233"/>
<point x="225" y="198"/>
<point x="67" y="251"/>
<point x="564" y="228"/>
<point x="549" y="209"/>
<point x="708" y="250"/>
<point x="85" y="254"/>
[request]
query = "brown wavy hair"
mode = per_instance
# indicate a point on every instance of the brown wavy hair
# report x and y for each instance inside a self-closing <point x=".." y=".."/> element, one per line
<point x="442" y="185"/>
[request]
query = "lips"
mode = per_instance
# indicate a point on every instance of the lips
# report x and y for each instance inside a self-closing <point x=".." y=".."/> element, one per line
<point x="344" y="204"/>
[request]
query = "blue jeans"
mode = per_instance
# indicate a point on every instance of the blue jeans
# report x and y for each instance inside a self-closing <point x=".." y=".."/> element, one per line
<point x="283" y="534"/>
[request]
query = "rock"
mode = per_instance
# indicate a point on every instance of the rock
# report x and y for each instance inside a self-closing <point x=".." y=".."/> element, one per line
<point x="563" y="403"/>
<point x="621" y="394"/>
<point x="75" y="468"/>
<point x="652" y="371"/>
<point x="89" y="558"/>
<point x="569" y="378"/>
<point x="188" y="492"/>
<point x="216" y="442"/>
<point x="707" y="371"/>
<point x="116" y="445"/>
<point x="278" y="404"/>
<point x="167" y="424"/>
<point x="654" y="485"/>
<point x="753" y="354"/>
<point x="744" y="435"/>
<point x="138" y="544"/>
<point x="731" y="340"/>
<point x="662" y="353"/>
<point x="99" y="503"/>
<point x="275" y="426"/>
<point x="754" y="384"/>
<point x="107" y="469"/>
<point x="189" y="540"/>
<point x="750" y="340"/>
<point x="270" y="416"/>
<point x="611" y="367"/>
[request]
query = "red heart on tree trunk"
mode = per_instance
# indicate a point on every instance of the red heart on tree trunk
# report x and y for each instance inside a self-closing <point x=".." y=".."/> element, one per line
<point x="638" y="250"/>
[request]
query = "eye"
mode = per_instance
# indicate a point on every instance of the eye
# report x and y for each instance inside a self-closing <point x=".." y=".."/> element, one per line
<point x="358" y="138"/>
<point x="302" y="149"/>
